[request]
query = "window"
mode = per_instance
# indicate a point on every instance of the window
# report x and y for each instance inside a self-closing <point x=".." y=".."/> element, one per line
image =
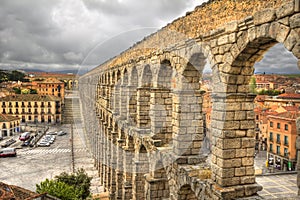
<point x="286" y="127"/>
<point x="278" y="150"/>
<point x="286" y="140"/>
<point x="278" y="138"/>
<point x="278" y="125"/>
<point x="271" y="147"/>
<point x="286" y="152"/>
<point x="271" y="136"/>
<point x="271" y="124"/>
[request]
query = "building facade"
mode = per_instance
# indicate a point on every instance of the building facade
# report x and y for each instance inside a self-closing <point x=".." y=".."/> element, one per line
<point x="50" y="86"/>
<point x="32" y="108"/>
<point x="9" y="125"/>
<point x="282" y="134"/>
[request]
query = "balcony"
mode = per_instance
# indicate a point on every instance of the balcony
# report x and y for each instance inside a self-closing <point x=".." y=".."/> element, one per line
<point x="286" y="144"/>
<point x="278" y="142"/>
<point x="3" y="106"/>
<point x="271" y="139"/>
<point x="29" y="105"/>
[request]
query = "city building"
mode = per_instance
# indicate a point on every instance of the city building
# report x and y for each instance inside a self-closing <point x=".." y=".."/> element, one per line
<point x="70" y="80"/>
<point x="283" y="100"/>
<point x="9" y="125"/>
<point x="50" y="86"/>
<point x="282" y="134"/>
<point x="32" y="108"/>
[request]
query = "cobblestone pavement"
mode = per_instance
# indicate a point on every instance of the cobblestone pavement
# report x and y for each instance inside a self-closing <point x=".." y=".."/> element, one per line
<point x="278" y="186"/>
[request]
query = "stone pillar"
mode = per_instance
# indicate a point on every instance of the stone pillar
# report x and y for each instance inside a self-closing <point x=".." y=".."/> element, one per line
<point x="127" y="166"/>
<point x="132" y="105"/>
<point x="123" y="101"/>
<point x="161" y="114"/>
<point x="113" y="164"/>
<point x="297" y="5"/>
<point x="187" y="126"/>
<point x="119" y="169"/>
<point x="141" y="167"/>
<point x="233" y="123"/>
<point x="143" y="107"/>
<point x="116" y="101"/>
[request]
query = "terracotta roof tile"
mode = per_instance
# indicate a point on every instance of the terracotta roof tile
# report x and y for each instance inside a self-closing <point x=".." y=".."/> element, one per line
<point x="7" y="118"/>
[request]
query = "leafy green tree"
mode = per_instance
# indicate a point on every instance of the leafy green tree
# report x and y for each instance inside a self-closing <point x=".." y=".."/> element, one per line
<point x="32" y="91"/>
<point x="57" y="189"/>
<point x="17" y="90"/>
<point x="16" y="76"/>
<point x="80" y="180"/>
<point x="67" y="186"/>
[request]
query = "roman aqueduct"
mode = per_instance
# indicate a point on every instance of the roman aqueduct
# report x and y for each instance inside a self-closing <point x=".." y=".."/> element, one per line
<point x="143" y="109"/>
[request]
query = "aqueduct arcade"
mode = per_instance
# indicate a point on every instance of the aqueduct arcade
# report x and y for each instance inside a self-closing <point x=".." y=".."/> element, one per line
<point x="143" y="109"/>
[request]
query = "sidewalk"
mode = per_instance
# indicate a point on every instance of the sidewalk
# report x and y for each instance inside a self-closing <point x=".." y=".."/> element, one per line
<point x="83" y="159"/>
<point x="262" y="170"/>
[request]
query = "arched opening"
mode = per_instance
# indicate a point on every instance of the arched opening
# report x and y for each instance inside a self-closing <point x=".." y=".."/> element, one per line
<point x="187" y="109"/>
<point x="124" y="95"/>
<point x="186" y="192"/>
<point x="132" y="118"/>
<point x="161" y="104"/>
<point x="116" y="94"/>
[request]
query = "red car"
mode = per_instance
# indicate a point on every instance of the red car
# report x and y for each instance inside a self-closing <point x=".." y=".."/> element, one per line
<point x="24" y="136"/>
<point x="8" y="152"/>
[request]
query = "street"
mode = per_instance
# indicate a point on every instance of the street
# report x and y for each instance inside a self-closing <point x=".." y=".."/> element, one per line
<point x="33" y="165"/>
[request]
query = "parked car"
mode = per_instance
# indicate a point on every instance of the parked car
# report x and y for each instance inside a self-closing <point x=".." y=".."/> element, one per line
<point x="43" y="144"/>
<point x="61" y="133"/>
<point x="8" y="152"/>
<point x="1" y="138"/>
<point x="24" y="136"/>
<point x="51" y="133"/>
<point x="27" y="142"/>
<point x="8" y="143"/>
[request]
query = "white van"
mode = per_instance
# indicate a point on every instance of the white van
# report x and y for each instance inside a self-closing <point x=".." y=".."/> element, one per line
<point x="8" y="152"/>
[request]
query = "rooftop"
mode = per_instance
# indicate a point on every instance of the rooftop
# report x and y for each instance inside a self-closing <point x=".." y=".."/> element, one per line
<point x="7" y="118"/>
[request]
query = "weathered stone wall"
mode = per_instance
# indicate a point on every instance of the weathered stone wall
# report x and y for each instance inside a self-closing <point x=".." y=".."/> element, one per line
<point x="143" y="109"/>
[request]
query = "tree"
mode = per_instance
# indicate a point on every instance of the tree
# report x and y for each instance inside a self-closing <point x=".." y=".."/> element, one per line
<point x="80" y="180"/>
<point x="65" y="186"/>
<point x="17" y="90"/>
<point x="32" y="91"/>
<point x="16" y="76"/>
<point x="57" y="189"/>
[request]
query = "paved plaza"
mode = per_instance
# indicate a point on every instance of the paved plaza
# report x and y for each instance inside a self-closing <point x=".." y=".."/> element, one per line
<point x="278" y="186"/>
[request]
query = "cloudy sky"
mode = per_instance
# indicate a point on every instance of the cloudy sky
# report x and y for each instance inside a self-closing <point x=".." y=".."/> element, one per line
<point x="67" y="34"/>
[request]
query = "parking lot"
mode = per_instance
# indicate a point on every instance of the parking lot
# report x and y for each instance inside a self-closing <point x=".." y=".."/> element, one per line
<point x="34" y="164"/>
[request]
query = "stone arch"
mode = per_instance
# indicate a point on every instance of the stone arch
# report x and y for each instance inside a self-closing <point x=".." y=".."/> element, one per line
<point x="235" y="104"/>
<point x="186" y="192"/>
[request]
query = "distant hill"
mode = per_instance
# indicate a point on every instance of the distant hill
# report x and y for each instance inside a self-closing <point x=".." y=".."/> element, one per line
<point x="74" y="71"/>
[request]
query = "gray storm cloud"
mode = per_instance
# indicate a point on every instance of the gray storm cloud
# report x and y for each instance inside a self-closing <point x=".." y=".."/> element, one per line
<point x="63" y="34"/>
